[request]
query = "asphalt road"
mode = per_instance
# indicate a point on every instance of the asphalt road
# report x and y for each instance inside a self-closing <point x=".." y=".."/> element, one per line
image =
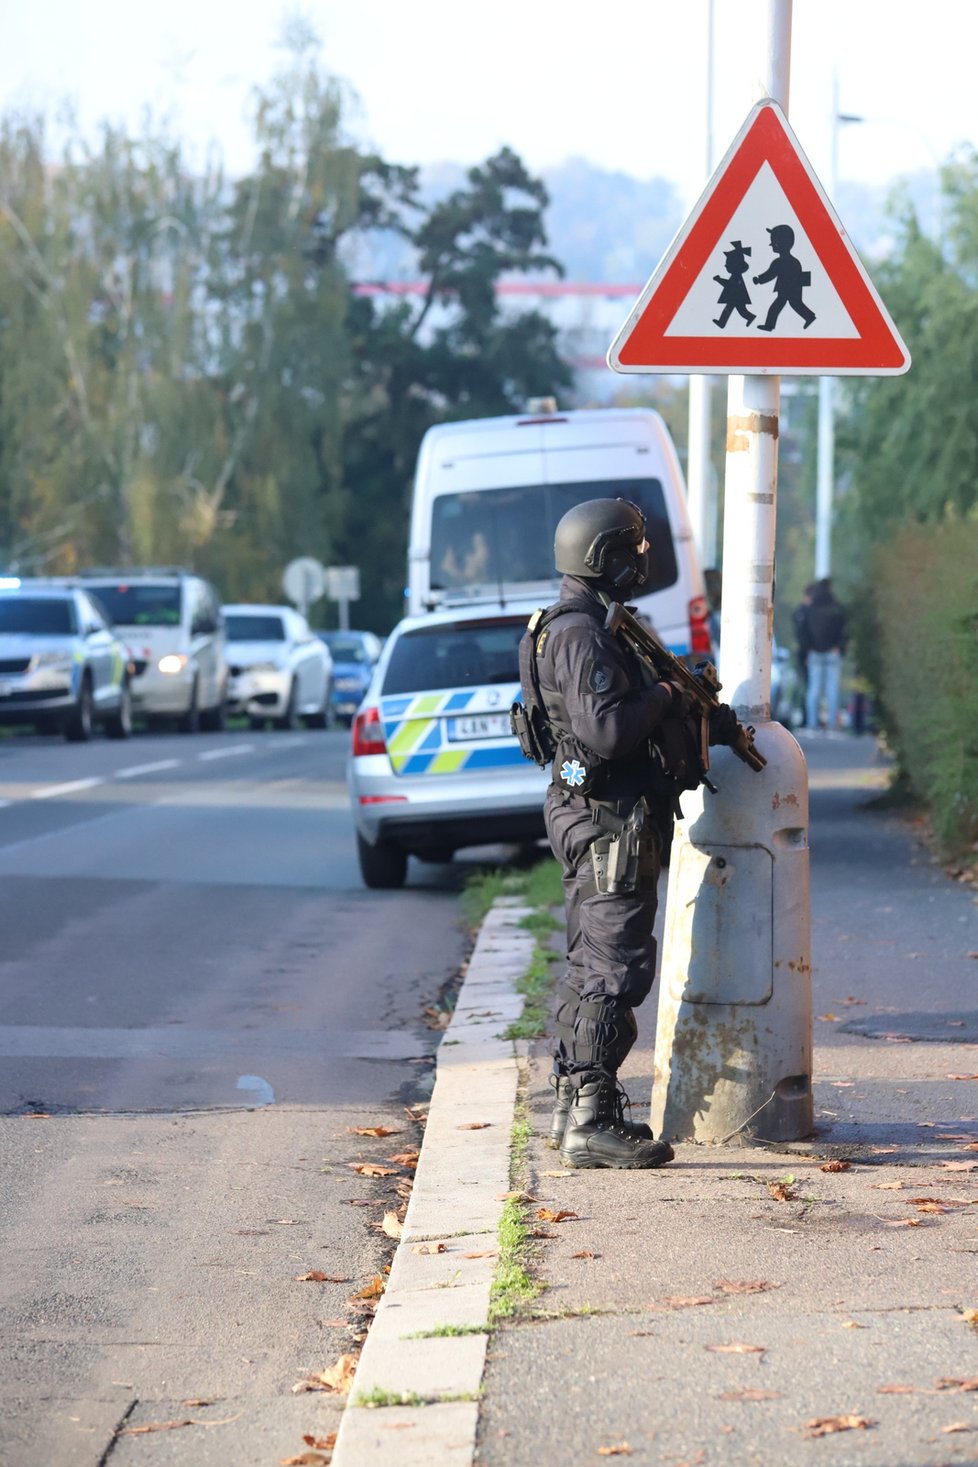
<point x="199" y="1003"/>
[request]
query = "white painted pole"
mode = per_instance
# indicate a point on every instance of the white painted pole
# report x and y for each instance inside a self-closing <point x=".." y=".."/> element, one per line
<point x="825" y="461"/>
<point x="700" y="479"/>
<point x="733" y="1053"/>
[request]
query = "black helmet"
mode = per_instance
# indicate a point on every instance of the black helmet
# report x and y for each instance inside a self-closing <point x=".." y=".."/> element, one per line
<point x="598" y="541"/>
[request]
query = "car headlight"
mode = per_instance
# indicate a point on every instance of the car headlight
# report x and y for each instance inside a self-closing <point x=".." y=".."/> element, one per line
<point x="173" y="662"/>
<point x="54" y="661"/>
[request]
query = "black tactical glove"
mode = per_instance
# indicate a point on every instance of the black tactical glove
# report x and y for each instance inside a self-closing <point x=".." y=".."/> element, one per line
<point x="723" y="725"/>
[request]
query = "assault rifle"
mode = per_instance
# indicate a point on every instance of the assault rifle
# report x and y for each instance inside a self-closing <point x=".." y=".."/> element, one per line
<point x="701" y="688"/>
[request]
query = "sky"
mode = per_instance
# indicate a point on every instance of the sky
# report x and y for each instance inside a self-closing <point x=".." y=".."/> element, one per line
<point x="622" y="85"/>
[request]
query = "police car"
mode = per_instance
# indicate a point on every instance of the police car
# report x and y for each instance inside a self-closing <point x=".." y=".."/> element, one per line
<point x="434" y="766"/>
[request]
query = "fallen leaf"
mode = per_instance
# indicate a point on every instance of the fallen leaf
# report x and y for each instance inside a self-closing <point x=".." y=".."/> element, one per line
<point x="547" y="1214"/>
<point x="429" y="1248"/>
<point x="836" y="1166"/>
<point x="373" y="1130"/>
<point x="959" y="1166"/>
<point x="406" y="1158"/>
<point x="619" y="1449"/>
<point x="956" y="1426"/>
<point x="392" y="1225"/>
<point x="316" y="1276"/>
<point x="474" y="1126"/>
<point x="781" y="1192"/>
<point x="744" y="1286"/>
<point x="482" y="1253"/>
<point x="677" y="1301"/>
<point x="901" y="1222"/>
<point x="962" y="1077"/>
<point x="896" y="1390"/>
<point x="970" y="1316"/>
<point x="321" y="1443"/>
<point x="933" y="1204"/>
<point x="540" y="1233"/>
<point x="372" y="1169"/>
<point x="338" y="1377"/>
<point x="953" y="1383"/>
<point x="853" y="1324"/>
<point x="826" y="1425"/>
<point x="749" y="1394"/>
<point x="373" y="1290"/>
<point x="585" y="1253"/>
<point x="304" y="1459"/>
<point x="737" y="1348"/>
<point x="202" y="1401"/>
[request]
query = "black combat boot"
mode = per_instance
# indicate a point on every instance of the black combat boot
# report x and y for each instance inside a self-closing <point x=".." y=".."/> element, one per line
<point x="564" y="1099"/>
<point x="596" y="1136"/>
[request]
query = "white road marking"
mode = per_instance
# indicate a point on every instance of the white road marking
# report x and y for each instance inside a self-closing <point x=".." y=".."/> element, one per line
<point x="229" y="752"/>
<point x="138" y="769"/>
<point x="52" y="791"/>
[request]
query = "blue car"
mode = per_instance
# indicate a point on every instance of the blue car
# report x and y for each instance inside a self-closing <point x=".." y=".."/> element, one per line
<point x="354" y="655"/>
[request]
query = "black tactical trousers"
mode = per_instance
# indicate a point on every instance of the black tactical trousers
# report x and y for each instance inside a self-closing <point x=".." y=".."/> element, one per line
<point x="610" y="951"/>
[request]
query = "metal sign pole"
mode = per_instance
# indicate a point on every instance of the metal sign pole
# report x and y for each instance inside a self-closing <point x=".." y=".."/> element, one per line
<point x="733" y="1039"/>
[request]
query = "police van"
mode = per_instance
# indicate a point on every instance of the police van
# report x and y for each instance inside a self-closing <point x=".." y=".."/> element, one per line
<point x="488" y="494"/>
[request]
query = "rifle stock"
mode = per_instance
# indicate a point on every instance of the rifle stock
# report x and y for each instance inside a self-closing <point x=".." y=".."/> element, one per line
<point x="701" y="690"/>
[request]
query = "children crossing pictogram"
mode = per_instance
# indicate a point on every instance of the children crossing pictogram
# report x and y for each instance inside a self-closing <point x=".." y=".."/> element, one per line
<point x="808" y="308"/>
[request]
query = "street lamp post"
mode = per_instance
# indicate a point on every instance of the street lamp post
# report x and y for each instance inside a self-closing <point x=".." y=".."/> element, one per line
<point x="825" y="461"/>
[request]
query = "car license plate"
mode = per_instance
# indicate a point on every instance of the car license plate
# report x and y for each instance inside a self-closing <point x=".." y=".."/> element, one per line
<point x="479" y="726"/>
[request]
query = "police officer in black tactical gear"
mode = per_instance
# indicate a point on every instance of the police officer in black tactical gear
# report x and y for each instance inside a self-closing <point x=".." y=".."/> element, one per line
<point x="610" y="805"/>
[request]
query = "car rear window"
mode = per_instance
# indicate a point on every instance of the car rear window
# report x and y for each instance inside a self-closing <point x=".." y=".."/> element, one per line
<point x="495" y="537"/>
<point x="346" y="649"/>
<point x="455" y="655"/>
<point x="142" y="605"/>
<point x="254" y="628"/>
<point x="46" y="616"/>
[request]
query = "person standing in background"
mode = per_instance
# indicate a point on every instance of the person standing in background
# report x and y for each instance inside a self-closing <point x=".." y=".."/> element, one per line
<point x="825" y="635"/>
<point x="798" y="622"/>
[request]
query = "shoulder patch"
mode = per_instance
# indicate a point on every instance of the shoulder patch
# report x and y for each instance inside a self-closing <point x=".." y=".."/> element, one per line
<point x="599" y="677"/>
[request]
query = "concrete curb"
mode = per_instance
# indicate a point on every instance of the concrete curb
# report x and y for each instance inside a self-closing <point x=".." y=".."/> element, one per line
<point x="455" y="1202"/>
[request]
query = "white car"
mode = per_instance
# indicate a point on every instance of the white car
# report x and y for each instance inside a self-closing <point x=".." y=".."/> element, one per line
<point x="434" y="765"/>
<point x="279" y="669"/>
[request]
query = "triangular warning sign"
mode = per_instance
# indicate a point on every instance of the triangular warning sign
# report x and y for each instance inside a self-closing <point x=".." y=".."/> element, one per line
<point x="761" y="278"/>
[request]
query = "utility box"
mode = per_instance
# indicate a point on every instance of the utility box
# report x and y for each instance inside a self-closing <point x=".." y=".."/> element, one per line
<point x="733" y="1052"/>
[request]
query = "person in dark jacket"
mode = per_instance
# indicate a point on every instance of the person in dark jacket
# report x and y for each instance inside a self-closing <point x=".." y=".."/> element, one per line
<point x="609" y="785"/>
<point x="825" y="636"/>
<point x="799" y="621"/>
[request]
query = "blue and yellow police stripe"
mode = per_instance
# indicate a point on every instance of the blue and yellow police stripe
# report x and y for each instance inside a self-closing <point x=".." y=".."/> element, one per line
<point x="416" y="731"/>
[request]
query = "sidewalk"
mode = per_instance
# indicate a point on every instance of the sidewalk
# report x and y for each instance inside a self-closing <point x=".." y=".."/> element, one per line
<point x="717" y="1310"/>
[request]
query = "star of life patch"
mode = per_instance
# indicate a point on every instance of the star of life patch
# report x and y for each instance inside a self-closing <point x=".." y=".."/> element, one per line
<point x="572" y="772"/>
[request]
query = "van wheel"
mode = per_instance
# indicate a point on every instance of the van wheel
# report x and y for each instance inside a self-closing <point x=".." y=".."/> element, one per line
<point x="383" y="866"/>
<point x="78" y="724"/>
<point x="190" y="722"/>
<point x="119" y="723"/>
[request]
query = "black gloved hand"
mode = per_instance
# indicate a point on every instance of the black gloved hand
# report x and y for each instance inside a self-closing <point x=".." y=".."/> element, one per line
<point x="723" y="725"/>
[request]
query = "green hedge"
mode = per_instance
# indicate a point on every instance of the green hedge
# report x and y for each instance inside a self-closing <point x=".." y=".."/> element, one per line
<point x="924" y="665"/>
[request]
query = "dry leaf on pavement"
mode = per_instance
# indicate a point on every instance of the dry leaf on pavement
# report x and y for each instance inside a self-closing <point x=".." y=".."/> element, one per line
<point x="547" y="1214"/>
<point x="338" y="1377"/>
<point x="372" y="1169"/>
<point x="956" y="1426"/>
<point x="474" y="1126"/>
<point x="373" y="1290"/>
<point x="826" y="1425"/>
<point x="392" y="1225"/>
<point x="781" y="1191"/>
<point x="316" y="1276"/>
<point x="482" y="1253"/>
<point x="305" y="1459"/>
<point x="737" y="1348"/>
<point x="897" y="1390"/>
<point x="954" y="1383"/>
<point x="836" y="1165"/>
<point x="619" y="1449"/>
<point x="152" y="1426"/>
<point x="374" y="1130"/>
<point x="429" y="1248"/>
<point x="744" y="1286"/>
<point x="959" y="1166"/>
<point x="321" y="1443"/>
<point x="679" y="1301"/>
<point x="749" y="1394"/>
<point x="585" y="1253"/>
<point x="406" y="1158"/>
<point x="963" y="1077"/>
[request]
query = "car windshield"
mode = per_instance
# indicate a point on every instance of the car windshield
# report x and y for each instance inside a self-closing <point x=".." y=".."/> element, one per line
<point x="456" y="655"/>
<point x="254" y="628"/>
<point x="46" y="616"/>
<point x="139" y="605"/>
<point x="494" y="537"/>
<point x="346" y="649"/>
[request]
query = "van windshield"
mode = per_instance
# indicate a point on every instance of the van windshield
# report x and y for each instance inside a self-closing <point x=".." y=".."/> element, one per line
<point x="139" y="604"/>
<point x="493" y="537"/>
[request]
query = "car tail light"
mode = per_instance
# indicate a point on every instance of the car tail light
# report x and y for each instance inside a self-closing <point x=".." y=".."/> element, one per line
<point x="699" y="625"/>
<point x="368" y="733"/>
